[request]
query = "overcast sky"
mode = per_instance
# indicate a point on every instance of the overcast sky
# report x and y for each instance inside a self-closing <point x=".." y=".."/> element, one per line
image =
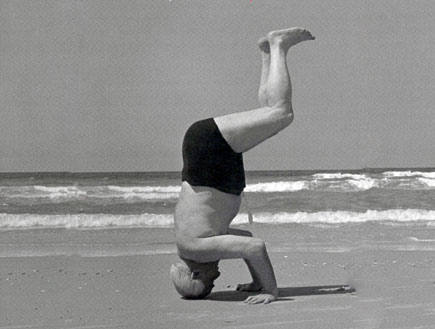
<point x="112" y="85"/>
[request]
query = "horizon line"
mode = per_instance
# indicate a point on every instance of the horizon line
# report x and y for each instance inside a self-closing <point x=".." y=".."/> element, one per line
<point x="179" y="171"/>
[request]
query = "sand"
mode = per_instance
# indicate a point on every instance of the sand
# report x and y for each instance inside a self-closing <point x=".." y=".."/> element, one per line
<point x="328" y="278"/>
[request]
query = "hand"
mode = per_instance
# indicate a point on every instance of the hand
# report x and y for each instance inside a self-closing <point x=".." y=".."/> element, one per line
<point x="261" y="299"/>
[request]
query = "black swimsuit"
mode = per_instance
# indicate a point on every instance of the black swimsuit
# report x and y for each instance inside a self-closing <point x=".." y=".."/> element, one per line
<point x="209" y="161"/>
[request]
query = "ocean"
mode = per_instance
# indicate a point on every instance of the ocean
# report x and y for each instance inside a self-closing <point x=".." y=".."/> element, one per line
<point x="147" y="199"/>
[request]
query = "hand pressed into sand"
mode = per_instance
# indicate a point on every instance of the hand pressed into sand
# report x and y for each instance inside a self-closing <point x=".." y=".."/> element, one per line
<point x="261" y="299"/>
<point x="264" y="298"/>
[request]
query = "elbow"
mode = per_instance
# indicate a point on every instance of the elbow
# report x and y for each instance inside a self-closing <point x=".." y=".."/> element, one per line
<point x="257" y="248"/>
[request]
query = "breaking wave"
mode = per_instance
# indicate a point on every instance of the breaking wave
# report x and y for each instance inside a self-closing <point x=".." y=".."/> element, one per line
<point x="144" y="189"/>
<point x="319" y="182"/>
<point x="346" y="183"/>
<point x="84" y="220"/>
<point x="10" y="221"/>
<point x="278" y="187"/>
<point x="427" y="181"/>
<point x="409" y="174"/>
<point x="338" y="176"/>
<point x="342" y="217"/>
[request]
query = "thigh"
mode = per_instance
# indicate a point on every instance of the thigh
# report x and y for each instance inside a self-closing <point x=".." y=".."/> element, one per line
<point x="244" y="130"/>
<point x="211" y="249"/>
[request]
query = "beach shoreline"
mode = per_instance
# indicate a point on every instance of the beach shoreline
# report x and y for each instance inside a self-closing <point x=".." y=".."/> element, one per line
<point x="128" y="286"/>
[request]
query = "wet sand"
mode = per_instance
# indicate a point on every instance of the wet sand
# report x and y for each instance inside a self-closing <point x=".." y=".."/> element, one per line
<point x="119" y="279"/>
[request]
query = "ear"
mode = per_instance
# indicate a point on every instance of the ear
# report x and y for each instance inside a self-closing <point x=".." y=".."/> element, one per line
<point x="195" y="275"/>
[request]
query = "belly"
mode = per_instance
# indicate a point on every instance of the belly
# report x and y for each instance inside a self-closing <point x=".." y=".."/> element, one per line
<point x="203" y="211"/>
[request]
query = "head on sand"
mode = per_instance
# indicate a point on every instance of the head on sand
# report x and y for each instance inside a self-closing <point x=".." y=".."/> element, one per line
<point x="194" y="281"/>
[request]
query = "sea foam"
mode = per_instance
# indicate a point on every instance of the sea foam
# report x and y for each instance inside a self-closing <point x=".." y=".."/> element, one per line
<point x="409" y="174"/>
<point x="342" y="217"/>
<point x="338" y="176"/>
<point x="429" y="182"/>
<point x="341" y="183"/>
<point x="320" y="182"/>
<point x="280" y="186"/>
<point x="84" y="220"/>
<point x="11" y="221"/>
<point x="144" y="189"/>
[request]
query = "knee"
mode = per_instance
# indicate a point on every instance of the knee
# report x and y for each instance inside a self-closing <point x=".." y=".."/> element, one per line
<point x="283" y="114"/>
<point x="288" y="119"/>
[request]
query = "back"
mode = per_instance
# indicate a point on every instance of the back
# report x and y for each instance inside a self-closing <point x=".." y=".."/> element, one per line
<point x="203" y="211"/>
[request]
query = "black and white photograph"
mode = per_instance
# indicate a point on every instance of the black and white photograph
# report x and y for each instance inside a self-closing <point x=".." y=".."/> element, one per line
<point x="217" y="164"/>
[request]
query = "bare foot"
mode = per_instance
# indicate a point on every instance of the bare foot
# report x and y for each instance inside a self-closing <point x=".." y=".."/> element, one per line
<point x="263" y="43"/>
<point x="261" y="299"/>
<point x="253" y="286"/>
<point x="288" y="37"/>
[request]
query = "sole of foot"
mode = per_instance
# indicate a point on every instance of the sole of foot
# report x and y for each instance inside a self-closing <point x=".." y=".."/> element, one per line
<point x="289" y="37"/>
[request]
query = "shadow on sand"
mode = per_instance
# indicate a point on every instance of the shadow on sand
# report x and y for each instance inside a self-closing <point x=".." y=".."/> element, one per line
<point x="284" y="293"/>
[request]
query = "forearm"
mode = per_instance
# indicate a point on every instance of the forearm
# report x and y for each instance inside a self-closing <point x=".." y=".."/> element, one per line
<point x="252" y="271"/>
<point x="262" y="268"/>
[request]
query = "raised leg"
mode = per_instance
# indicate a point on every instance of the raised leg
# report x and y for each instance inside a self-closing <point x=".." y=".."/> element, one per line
<point x="244" y="130"/>
<point x="265" y="64"/>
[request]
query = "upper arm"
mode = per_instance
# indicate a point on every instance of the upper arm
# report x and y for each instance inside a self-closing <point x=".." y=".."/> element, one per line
<point x="219" y="247"/>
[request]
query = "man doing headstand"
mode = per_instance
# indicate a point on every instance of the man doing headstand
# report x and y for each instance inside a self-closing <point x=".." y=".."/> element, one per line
<point x="213" y="179"/>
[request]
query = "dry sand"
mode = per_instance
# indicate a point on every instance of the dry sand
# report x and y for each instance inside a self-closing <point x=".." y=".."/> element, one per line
<point x="394" y="282"/>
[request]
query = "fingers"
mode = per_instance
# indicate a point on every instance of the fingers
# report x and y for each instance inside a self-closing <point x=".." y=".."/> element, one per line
<point x="258" y="300"/>
<point x="252" y="300"/>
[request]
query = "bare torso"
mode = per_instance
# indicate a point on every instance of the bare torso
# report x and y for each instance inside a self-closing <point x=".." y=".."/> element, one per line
<point x="203" y="211"/>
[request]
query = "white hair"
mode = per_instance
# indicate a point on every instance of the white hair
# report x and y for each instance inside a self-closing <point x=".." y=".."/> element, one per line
<point x="187" y="287"/>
